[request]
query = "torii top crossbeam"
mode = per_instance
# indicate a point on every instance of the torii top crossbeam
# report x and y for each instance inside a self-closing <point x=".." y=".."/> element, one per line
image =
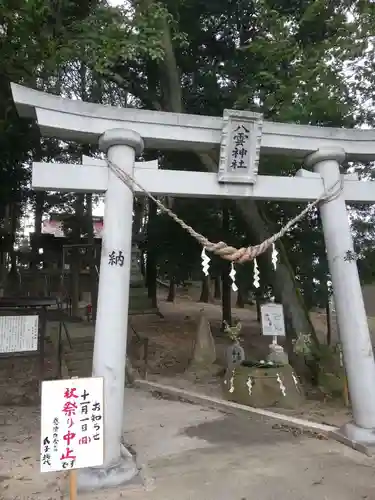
<point x="240" y="136"/>
<point x="85" y="122"/>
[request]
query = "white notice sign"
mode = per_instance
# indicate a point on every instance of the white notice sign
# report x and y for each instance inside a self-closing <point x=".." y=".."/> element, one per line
<point x="71" y="424"/>
<point x="18" y="333"/>
<point x="273" y="320"/>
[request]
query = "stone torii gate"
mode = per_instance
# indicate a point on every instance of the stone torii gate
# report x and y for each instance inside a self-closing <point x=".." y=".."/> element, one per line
<point x="122" y="134"/>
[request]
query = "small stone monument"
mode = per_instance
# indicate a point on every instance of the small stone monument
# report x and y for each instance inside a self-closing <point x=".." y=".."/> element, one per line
<point x="272" y="316"/>
<point x="277" y="354"/>
<point x="265" y="383"/>
<point x="235" y="353"/>
<point x="204" y="351"/>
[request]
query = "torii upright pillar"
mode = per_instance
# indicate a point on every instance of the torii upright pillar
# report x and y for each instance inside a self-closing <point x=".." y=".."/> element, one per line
<point x="84" y="122"/>
<point x="112" y="315"/>
<point x="351" y="314"/>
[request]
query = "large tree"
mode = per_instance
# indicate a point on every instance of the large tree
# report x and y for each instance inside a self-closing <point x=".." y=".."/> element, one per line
<point x="285" y="59"/>
<point x="288" y="60"/>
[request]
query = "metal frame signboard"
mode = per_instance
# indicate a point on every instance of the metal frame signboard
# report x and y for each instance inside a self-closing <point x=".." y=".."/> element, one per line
<point x="19" y="333"/>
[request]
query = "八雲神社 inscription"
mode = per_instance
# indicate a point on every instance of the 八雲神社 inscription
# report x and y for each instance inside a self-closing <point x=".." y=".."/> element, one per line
<point x="239" y="152"/>
<point x="240" y="146"/>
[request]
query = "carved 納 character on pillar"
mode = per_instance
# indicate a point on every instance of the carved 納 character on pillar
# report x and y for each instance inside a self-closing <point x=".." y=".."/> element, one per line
<point x="116" y="258"/>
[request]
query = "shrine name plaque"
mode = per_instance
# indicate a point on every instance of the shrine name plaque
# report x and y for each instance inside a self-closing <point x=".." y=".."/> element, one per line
<point x="18" y="333"/>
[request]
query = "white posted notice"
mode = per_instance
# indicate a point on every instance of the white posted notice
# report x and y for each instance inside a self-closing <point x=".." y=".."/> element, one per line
<point x="18" y="333"/>
<point x="72" y="424"/>
<point x="273" y="320"/>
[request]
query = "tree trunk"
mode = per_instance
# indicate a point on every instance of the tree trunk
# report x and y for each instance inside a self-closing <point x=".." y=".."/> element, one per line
<point x="139" y="206"/>
<point x="40" y="198"/>
<point x="13" y="283"/>
<point x="38" y="216"/>
<point x="283" y="277"/>
<point x="205" y="290"/>
<point x="258" y="303"/>
<point x="217" y="289"/>
<point x="151" y="269"/>
<point x="3" y="270"/>
<point x="226" y="304"/>
<point x="39" y="204"/>
<point x="91" y="257"/>
<point x="297" y="361"/>
<point x="143" y="263"/>
<point x="75" y="281"/>
<point x="76" y="259"/>
<point x="172" y="290"/>
<point x="226" y="268"/>
<point x="240" y="299"/>
<point x="7" y="242"/>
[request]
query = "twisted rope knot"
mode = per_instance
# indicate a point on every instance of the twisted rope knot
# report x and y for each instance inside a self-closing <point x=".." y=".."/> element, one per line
<point x="237" y="255"/>
<point x="226" y="252"/>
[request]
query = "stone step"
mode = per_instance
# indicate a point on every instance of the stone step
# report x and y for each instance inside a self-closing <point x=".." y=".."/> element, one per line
<point x="78" y="359"/>
<point x="79" y="368"/>
<point x="80" y="373"/>
<point x="76" y="349"/>
<point x="79" y="341"/>
<point x="78" y="354"/>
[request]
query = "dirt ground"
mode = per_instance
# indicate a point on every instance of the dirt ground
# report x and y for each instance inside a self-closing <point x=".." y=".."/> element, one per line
<point x="19" y="464"/>
<point x="190" y="452"/>
<point x="20" y="376"/>
<point x="171" y="341"/>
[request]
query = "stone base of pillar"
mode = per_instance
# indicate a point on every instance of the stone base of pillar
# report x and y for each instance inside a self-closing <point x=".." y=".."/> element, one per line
<point x="358" y="438"/>
<point x="96" y="478"/>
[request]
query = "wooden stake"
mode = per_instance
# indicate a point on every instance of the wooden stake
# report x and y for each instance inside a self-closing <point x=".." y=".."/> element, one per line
<point x="73" y="480"/>
<point x="73" y="484"/>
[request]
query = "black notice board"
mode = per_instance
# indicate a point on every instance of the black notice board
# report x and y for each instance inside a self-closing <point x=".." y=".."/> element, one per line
<point x="23" y="306"/>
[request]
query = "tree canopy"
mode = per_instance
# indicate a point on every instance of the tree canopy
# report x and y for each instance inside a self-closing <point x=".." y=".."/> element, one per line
<point x="305" y="61"/>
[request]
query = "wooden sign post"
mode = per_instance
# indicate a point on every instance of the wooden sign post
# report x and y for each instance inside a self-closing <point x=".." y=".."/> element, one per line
<point x="72" y="424"/>
<point x="273" y="325"/>
<point x="272" y="316"/>
<point x="73" y="484"/>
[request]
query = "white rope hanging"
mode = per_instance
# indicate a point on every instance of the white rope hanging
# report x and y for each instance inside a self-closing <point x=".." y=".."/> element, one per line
<point x="256" y="276"/>
<point x="205" y="262"/>
<point x="274" y="257"/>
<point x="232" y="275"/>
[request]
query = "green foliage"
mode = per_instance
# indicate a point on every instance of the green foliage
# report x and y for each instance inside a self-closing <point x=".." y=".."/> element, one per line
<point x="63" y="48"/>
<point x="233" y="332"/>
<point x="117" y="36"/>
<point x="326" y="361"/>
<point x="288" y="59"/>
<point x="304" y="346"/>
